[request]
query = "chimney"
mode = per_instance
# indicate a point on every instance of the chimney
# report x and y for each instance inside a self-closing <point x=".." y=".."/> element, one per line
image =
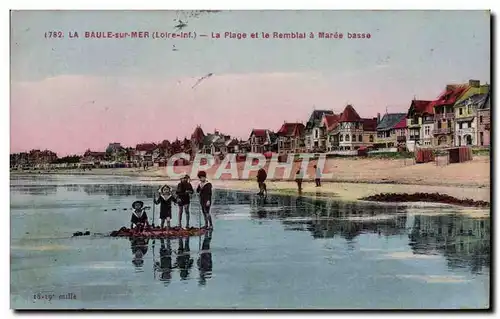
<point x="378" y="118"/>
<point x="474" y="83"/>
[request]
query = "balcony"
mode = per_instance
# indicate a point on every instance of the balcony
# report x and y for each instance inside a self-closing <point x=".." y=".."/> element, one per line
<point x="441" y="131"/>
<point x="469" y="130"/>
<point x="414" y="137"/>
<point x="413" y="123"/>
<point x="444" y="116"/>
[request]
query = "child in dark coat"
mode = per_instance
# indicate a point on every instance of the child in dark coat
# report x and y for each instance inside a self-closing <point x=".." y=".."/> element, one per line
<point x="165" y="199"/>
<point x="139" y="218"/>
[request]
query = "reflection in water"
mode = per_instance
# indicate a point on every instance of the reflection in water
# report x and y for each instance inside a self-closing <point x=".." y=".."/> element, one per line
<point x="34" y="189"/>
<point x="139" y="247"/>
<point x="464" y="241"/>
<point x="205" y="260"/>
<point x="327" y="219"/>
<point x="164" y="266"/>
<point x="184" y="260"/>
<point x="120" y="190"/>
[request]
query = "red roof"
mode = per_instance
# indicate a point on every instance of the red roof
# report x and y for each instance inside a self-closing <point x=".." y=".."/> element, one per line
<point x="370" y="124"/>
<point x="258" y="132"/>
<point x="422" y="107"/>
<point x="401" y="124"/>
<point x="331" y="120"/>
<point x="450" y="95"/>
<point x="146" y="147"/>
<point x="198" y="134"/>
<point x="291" y="129"/>
<point x="349" y="115"/>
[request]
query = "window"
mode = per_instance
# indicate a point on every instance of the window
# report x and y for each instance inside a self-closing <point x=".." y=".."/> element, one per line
<point x="360" y="138"/>
<point x="427" y="130"/>
<point x="439" y="124"/>
<point x="371" y="138"/>
<point x="353" y="138"/>
<point x="460" y="111"/>
<point x="481" y="119"/>
<point x="460" y="126"/>
<point x="347" y="137"/>
<point x="481" y="138"/>
<point x="448" y="123"/>
<point x="315" y="133"/>
<point x="341" y="137"/>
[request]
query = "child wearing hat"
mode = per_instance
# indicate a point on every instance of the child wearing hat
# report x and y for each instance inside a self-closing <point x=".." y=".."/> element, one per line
<point x="139" y="217"/>
<point x="165" y="199"/>
<point x="204" y="189"/>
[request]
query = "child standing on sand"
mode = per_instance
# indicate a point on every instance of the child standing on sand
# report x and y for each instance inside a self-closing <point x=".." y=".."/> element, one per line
<point x="184" y="191"/>
<point x="165" y="199"/>
<point x="204" y="189"/>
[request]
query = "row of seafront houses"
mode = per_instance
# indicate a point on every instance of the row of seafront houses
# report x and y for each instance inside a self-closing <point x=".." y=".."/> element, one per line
<point x="459" y="116"/>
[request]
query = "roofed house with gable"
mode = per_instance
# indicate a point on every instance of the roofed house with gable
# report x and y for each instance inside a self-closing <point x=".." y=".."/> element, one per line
<point x="197" y="139"/>
<point x="466" y="114"/>
<point x="369" y="131"/>
<point x="484" y="122"/>
<point x="444" y="115"/>
<point x="329" y="122"/>
<point x="291" y="138"/>
<point x="315" y="132"/>
<point x="215" y="143"/>
<point x="347" y="135"/>
<point x="262" y="140"/>
<point x="146" y="152"/>
<point x="420" y="122"/>
<point x="391" y="130"/>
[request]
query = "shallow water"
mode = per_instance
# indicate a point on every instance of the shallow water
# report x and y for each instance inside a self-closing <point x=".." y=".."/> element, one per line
<point x="290" y="252"/>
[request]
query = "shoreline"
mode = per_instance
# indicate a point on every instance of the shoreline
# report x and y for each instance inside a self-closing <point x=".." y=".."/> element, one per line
<point x="352" y="179"/>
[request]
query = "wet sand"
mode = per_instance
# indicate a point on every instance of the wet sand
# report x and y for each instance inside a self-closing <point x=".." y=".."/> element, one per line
<point x="352" y="178"/>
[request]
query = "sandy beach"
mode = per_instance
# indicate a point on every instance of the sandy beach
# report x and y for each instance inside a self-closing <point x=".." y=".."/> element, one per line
<point x="352" y="178"/>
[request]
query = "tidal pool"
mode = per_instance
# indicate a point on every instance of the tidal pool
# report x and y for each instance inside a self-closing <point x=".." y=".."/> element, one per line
<point x="288" y="253"/>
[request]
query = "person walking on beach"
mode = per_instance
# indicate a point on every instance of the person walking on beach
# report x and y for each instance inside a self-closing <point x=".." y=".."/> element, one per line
<point x="184" y="191"/>
<point x="318" y="176"/>
<point x="204" y="189"/>
<point x="261" y="178"/>
<point x="165" y="199"/>
<point x="298" y="180"/>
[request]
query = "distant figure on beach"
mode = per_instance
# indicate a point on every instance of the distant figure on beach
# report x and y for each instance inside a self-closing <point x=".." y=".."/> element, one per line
<point x="184" y="192"/>
<point x="318" y="176"/>
<point x="298" y="179"/>
<point x="204" y="190"/>
<point x="261" y="179"/>
<point x="165" y="199"/>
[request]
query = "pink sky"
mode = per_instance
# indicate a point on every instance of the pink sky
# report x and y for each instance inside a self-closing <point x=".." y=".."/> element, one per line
<point x="69" y="114"/>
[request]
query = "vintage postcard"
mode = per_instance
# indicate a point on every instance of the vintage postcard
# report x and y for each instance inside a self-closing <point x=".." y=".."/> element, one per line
<point x="211" y="159"/>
